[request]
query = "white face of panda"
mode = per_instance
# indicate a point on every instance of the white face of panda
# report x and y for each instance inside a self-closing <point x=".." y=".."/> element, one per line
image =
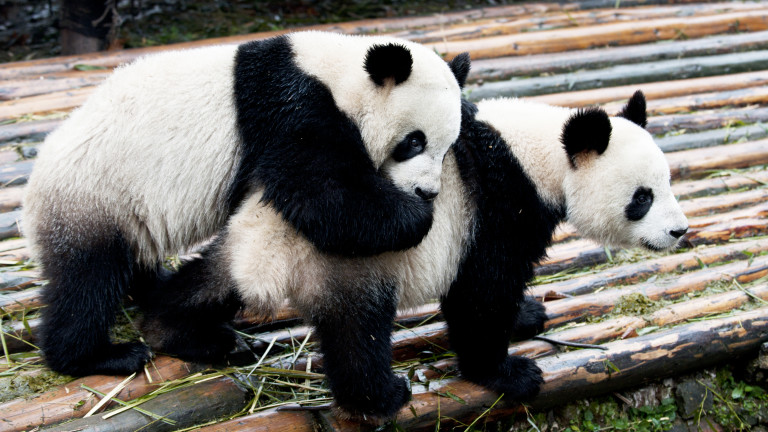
<point x="405" y="100"/>
<point x="623" y="197"/>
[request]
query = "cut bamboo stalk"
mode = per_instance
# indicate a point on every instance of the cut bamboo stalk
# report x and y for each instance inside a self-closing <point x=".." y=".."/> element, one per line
<point x="267" y="421"/>
<point x="725" y="231"/>
<point x="706" y="120"/>
<point x="501" y="68"/>
<point x="757" y="211"/>
<point x="15" y="89"/>
<point x="632" y="273"/>
<point x="383" y="25"/>
<point x="696" y="163"/>
<point x="590" y="372"/>
<point x="559" y="19"/>
<point x="729" y="181"/>
<point x="29" y="130"/>
<point x="654" y="90"/>
<point x="184" y="407"/>
<point x="627" y="76"/>
<point x="602" y="35"/>
<point x="10" y="198"/>
<point x="574" y="309"/>
<point x="702" y="101"/>
<point x="57" y="101"/>
<point x="71" y="401"/>
<point x="712" y="138"/>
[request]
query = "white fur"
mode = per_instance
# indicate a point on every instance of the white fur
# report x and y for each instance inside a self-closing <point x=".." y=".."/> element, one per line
<point x="269" y="261"/>
<point x="425" y="101"/>
<point x="159" y="166"/>
<point x="596" y="193"/>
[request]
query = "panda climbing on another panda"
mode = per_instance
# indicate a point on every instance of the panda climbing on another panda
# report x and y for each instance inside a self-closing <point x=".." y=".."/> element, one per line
<point x="516" y="171"/>
<point x="341" y="136"/>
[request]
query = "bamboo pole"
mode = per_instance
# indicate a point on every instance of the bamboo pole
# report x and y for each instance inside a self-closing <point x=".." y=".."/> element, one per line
<point x="655" y="90"/>
<point x="71" y="401"/>
<point x="609" y="34"/>
<point x="506" y="67"/>
<point x="634" y="75"/>
<point x="633" y="273"/>
<point x="696" y="163"/>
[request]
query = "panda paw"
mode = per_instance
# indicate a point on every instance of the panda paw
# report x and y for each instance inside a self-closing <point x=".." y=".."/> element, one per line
<point x="530" y="319"/>
<point x="375" y="409"/>
<point x="518" y="378"/>
<point x="112" y="359"/>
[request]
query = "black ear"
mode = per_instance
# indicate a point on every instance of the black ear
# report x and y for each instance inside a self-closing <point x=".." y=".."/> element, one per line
<point x="460" y="67"/>
<point x="634" y="110"/>
<point x="588" y="129"/>
<point x="388" y="61"/>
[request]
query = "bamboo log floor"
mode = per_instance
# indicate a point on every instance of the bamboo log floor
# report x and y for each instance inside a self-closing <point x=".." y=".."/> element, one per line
<point x="704" y="69"/>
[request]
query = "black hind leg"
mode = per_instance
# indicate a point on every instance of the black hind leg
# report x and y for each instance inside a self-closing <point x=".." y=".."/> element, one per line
<point x="87" y="276"/>
<point x="355" y="325"/>
<point x="481" y="321"/>
<point x="188" y="313"/>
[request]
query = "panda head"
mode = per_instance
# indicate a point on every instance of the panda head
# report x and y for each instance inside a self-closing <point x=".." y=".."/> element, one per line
<point x="618" y="185"/>
<point x="403" y="97"/>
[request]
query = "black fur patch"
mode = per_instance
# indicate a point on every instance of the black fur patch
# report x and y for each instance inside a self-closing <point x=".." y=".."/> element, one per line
<point x="388" y="61"/>
<point x="642" y="200"/>
<point x="588" y="129"/>
<point x="412" y="145"/>
<point x="311" y="160"/>
<point x="635" y="110"/>
<point x="512" y="227"/>
<point x="460" y="66"/>
<point x="188" y="315"/>
<point x="354" y="323"/>
<point x="87" y="273"/>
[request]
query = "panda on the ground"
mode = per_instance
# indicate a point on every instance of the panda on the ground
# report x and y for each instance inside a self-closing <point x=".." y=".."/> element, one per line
<point x="342" y="136"/>
<point x="516" y="171"/>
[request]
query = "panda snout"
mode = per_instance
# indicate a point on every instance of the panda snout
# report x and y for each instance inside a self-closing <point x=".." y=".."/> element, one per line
<point x="425" y="194"/>
<point x="677" y="233"/>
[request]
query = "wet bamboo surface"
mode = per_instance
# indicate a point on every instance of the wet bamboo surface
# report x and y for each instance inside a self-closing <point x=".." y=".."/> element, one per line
<point x="704" y="69"/>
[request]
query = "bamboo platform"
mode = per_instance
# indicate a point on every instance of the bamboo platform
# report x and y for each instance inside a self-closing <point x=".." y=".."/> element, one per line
<point x="703" y="67"/>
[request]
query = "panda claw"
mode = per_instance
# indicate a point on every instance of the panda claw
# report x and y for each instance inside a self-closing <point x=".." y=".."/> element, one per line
<point x="530" y="319"/>
<point x="376" y="409"/>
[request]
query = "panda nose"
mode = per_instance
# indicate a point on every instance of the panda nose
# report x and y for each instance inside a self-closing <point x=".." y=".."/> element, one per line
<point x="426" y="195"/>
<point x="678" y="233"/>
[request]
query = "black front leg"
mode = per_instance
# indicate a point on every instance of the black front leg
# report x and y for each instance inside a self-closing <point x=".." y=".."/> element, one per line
<point x="481" y="322"/>
<point x="355" y="326"/>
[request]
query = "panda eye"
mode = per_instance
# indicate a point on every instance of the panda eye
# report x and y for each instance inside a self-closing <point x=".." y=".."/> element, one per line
<point x="412" y="145"/>
<point x="642" y="200"/>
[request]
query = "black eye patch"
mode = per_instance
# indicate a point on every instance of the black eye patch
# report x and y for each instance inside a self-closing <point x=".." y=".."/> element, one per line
<point x="412" y="145"/>
<point x="641" y="203"/>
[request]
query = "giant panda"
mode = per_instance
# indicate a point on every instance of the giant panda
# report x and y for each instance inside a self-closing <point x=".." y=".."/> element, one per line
<point x="341" y="136"/>
<point x="516" y="171"/>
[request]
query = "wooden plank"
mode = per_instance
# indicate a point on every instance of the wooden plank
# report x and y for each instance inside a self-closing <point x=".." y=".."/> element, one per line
<point x="59" y="404"/>
<point x="29" y="130"/>
<point x="698" y="162"/>
<point x="586" y="372"/>
<point x="185" y="407"/>
<point x="548" y="20"/>
<point x="632" y="273"/>
<point x="727" y="181"/>
<point x="702" y="101"/>
<point x="574" y="309"/>
<point x="655" y="90"/>
<point x="57" y="101"/>
<point x="15" y="89"/>
<point x="705" y="120"/>
<point x="501" y="68"/>
<point x="609" y="34"/>
<point x="622" y="75"/>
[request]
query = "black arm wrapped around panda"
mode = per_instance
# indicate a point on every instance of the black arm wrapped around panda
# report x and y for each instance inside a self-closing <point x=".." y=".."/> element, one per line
<point x="311" y="162"/>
